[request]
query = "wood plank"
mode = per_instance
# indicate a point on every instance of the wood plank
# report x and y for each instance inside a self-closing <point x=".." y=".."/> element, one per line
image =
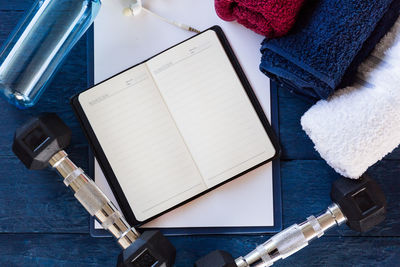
<point x="40" y="198"/>
<point x="357" y="251"/>
<point x="38" y="201"/>
<point x="295" y="142"/>
<point x="8" y="21"/>
<point x="35" y="201"/>
<point x="327" y="251"/>
<point x="57" y="250"/>
<point x="21" y="5"/>
<point x="82" y="250"/>
<point x="306" y="186"/>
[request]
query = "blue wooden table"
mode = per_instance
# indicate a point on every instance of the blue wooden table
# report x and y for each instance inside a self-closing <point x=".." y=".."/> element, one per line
<point x="41" y="224"/>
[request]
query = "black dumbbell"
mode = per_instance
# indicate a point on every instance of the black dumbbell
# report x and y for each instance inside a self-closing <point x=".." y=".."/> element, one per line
<point x="39" y="143"/>
<point x="360" y="203"/>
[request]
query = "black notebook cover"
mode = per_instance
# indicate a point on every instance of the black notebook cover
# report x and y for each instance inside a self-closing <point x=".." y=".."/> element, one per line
<point x="107" y="169"/>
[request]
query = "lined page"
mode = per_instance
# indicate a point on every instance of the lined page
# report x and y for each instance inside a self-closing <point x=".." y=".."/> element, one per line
<point x="211" y="108"/>
<point x="141" y="142"/>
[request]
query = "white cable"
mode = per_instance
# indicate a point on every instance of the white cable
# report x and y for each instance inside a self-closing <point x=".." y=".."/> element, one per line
<point x="177" y="24"/>
<point x="136" y="8"/>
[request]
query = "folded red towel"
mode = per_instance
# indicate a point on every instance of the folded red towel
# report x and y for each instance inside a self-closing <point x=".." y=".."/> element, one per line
<point x="271" y="18"/>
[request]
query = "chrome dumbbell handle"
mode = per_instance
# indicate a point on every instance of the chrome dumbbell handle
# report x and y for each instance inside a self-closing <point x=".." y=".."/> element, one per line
<point x="292" y="239"/>
<point x="93" y="199"/>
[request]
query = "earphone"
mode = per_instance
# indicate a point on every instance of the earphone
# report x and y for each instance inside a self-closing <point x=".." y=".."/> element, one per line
<point x="136" y="7"/>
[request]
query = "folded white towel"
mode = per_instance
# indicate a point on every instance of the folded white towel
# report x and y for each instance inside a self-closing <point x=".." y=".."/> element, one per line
<point x="360" y="124"/>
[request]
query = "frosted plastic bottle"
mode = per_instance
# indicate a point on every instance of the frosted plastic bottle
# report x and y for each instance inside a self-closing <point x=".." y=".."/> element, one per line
<point x="33" y="53"/>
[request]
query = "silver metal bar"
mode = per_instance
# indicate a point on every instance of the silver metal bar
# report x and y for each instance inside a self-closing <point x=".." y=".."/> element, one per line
<point x="93" y="199"/>
<point x="292" y="239"/>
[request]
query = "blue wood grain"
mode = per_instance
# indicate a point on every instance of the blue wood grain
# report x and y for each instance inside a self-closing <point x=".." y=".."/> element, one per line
<point x="38" y="201"/>
<point x="82" y="250"/>
<point x="326" y="251"/>
<point x="8" y="20"/>
<point x="41" y="198"/>
<point x="306" y="186"/>
<point x="57" y="250"/>
<point x="41" y="224"/>
<point x="19" y="5"/>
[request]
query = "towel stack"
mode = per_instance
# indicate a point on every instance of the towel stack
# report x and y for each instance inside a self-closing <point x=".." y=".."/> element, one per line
<point x="327" y="44"/>
<point x="360" y="124"/>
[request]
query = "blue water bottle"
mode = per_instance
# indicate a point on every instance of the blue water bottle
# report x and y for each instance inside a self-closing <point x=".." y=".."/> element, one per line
<point x="44" y="37"/>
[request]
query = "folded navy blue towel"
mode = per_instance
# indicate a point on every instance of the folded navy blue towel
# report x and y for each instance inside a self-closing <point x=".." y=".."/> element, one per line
<point x="327" y="44"/>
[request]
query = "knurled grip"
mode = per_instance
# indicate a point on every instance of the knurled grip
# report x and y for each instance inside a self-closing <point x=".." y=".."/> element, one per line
<point x="93" y="199"/>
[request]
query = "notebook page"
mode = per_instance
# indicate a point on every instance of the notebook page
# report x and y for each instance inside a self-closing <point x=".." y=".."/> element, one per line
<point x="211" y="108"/>
<point x="141" y="142"/>
<point x="149" y="36"/>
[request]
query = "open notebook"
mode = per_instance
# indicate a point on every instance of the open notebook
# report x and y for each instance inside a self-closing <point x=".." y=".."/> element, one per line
<point x="175" y="126"/>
